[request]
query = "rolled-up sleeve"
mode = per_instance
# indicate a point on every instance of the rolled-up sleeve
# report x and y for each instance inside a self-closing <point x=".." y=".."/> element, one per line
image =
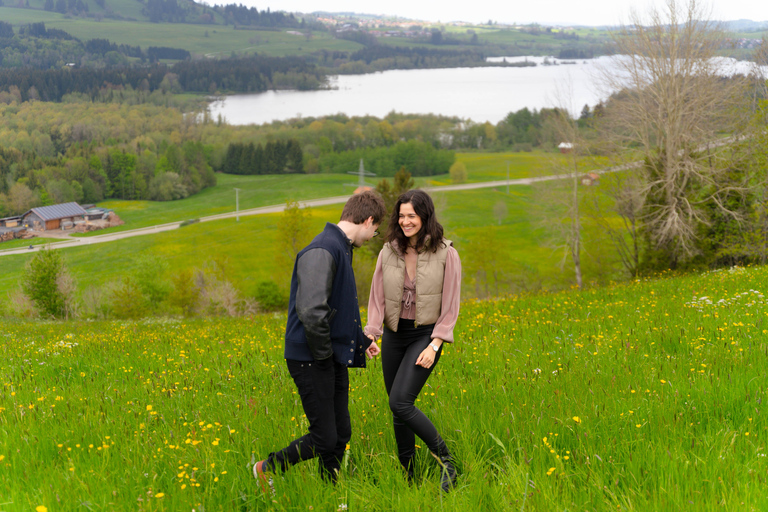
<point x="451" y="299"/>
<point x="376" y="302"/>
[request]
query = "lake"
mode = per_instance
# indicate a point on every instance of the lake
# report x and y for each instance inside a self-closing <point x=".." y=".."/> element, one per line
<point x="477" y="94"/>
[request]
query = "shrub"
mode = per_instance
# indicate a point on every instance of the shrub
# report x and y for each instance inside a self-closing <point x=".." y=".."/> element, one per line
<point x="184" y="294"/>
<point x="47" y="283"/>
<point x="458" y="173"/>
<point x="128" y="301"/>
<point x="270" y="297"/>
<point x="218" y="297"/>
<point x="95" y="303"/>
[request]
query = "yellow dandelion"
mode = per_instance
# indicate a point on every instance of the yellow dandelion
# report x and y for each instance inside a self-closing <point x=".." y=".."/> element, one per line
<point x="41" y="508"/>
<point x="159" y="495"/>
<point x="577" y="419"/>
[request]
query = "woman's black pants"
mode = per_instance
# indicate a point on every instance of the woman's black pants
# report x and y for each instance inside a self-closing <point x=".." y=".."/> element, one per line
<point x="404" y="380"/>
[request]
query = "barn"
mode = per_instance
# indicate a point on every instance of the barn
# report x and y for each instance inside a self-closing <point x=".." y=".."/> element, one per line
<point x="57" y="216"/>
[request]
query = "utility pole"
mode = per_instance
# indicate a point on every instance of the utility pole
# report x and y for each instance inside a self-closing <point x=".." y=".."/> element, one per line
<point x="361" y="174"/>
<point x="237" y="204"/>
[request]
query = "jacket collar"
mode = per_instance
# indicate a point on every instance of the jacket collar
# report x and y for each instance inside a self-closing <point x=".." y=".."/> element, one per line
<point x="337" y="231"/>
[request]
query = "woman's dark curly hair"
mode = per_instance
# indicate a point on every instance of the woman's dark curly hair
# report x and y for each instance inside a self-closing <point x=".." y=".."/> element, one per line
<point x="431" y="233"/>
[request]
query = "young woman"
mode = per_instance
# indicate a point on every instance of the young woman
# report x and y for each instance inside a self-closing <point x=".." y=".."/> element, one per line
<point x="415" y="294"/>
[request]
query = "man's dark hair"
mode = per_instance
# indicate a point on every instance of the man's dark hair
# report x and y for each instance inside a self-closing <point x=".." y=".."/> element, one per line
<point x="431" y="232"/>
<point x="363" y="205"/>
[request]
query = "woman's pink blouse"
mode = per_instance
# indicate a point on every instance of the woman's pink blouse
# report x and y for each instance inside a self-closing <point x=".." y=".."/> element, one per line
<point x="449" y="311"/>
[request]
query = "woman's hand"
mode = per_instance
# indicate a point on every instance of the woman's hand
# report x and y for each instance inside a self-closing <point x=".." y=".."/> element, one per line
<point x="427" y="357"/>
<point x="373" y="350"/>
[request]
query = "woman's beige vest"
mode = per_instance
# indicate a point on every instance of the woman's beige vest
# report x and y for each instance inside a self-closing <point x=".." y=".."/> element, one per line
<point x="430" y="272"/>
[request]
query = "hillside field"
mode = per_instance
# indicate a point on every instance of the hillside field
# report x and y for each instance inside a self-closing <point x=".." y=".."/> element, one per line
<point x="198" y="39"/>
<point x="640" y="396"/>
<point x="526" y="257"/>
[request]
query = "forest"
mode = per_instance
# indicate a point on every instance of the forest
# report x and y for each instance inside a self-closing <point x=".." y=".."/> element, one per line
<point x="133" y="144"/>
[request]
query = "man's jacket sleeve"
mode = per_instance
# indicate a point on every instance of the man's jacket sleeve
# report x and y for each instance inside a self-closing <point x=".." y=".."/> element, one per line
<point x="315" y="272"/>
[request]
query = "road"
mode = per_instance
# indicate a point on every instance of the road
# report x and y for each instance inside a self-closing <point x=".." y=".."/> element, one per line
<point x="110" y="237"/>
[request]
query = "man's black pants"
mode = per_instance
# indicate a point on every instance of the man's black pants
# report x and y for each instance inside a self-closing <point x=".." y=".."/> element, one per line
<point x="324" y="390"/>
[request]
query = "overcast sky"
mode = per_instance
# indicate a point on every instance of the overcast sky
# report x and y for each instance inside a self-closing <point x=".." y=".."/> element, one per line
<point x="584" y="12"/>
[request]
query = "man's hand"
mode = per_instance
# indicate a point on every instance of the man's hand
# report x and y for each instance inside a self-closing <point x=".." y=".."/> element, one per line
<point x="373" y="350"/>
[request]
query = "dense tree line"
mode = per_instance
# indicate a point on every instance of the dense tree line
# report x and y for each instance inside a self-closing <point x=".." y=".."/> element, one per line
<point x="76" y="7"/>
<point x="6" y="30"/>
<point x="252" y="74"/>
<point x="89" y="174"/>
<point x="576" y="53"/>
<point x="168" y="11"/>
<point x="88" y="152"/>
<point x="418" y="158"/>
<point x="39" y="30"/>
<point x="275" y="157"/>
<point x="155" y="53"/>
<point x="418" y="56"/>
<point x="238" y="14"/>
<point x="104" y="46"/>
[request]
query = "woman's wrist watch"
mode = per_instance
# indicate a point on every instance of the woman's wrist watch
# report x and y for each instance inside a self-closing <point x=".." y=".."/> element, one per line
<point x="434" y="347"/>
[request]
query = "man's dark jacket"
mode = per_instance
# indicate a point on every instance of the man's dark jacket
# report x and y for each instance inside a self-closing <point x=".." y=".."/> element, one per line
<point x="323" y="312"/>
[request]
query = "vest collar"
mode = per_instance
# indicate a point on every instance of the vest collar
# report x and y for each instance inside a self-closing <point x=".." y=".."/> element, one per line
<point x="396" y="247"/>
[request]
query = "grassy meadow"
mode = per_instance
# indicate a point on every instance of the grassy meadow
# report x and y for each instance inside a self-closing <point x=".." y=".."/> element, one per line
<point x="196" y="38"/>
<point x="640" y="396"/>
<point x="258" y="191"/>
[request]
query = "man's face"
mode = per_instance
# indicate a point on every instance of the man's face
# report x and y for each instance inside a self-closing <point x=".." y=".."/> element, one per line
<point x="368" y="231"/>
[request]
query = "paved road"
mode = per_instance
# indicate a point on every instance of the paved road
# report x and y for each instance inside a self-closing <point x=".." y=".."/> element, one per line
<point x="99" y="239"/>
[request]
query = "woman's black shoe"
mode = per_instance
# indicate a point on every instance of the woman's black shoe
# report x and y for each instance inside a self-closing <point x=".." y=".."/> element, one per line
<point x="447" y="473"/>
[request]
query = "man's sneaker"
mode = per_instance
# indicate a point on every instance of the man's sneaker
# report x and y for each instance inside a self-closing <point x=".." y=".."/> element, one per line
<point x="264" y="478"/>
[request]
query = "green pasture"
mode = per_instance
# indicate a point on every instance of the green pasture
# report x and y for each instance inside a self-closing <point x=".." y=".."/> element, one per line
<point x="527" y="255"/>
<point x="198" y="39"/>
<point x="524" y="255"/>
<point x="493" y="166"/>
<point x="269" y="190"/>
<point x="644" y="396"/>
<point x="255" y="191"/>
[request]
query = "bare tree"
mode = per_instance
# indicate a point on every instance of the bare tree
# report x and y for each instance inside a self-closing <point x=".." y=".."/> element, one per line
<point x="675" y="99"/>
<point x="558" y="202"/>
<point x="619" y="198"/>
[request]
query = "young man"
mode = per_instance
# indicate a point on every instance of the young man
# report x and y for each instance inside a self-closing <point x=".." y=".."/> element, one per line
<point x="324" y="337"/>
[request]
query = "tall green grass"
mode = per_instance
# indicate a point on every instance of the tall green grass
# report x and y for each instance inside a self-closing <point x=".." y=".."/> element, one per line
<point x="642" y="396"/>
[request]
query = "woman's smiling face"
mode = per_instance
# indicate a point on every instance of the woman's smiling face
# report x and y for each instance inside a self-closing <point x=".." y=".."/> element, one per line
<point x="409" y="222"/>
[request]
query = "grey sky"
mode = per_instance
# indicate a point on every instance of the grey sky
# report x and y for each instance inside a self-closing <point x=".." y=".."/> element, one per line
<point x="584" y="12"/>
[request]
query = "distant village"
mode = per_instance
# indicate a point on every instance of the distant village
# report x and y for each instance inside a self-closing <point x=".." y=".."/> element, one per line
<point x="401" y="27"/>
